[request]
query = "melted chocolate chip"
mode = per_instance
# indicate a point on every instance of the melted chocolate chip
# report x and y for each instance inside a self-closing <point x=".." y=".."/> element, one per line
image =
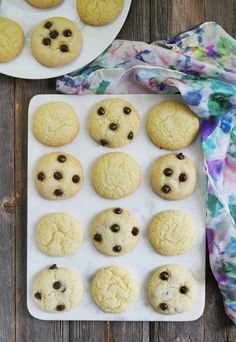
<point x="41" y="176"/>
<point x="130" y="136"/>
<point x="135" y="231"/>
<point x="165" y="189"/>
<point x="64" y="48"/>
<point x="127" y="110"/>
<point x="67" y="33"/>
<point x="115" y="228"/>
<point x="164" y="275"/>
<point x="182" y="177"/>
<point x="103" y="142"/>
<point x="47" y="25"/>
<point x="183" y="289"/>
<point x="58" y="192"/>
<point x="101" y="111"/>
<point x="118" y="211"/>
<point x="61" y="158"/>
<point x="46" y="41"/>
<point x="168" y="172"/>
<point x="57" y="175"/>
<point x="97" y="237"/>
<point x="53" y="267"/>
<point x="56" y="285"/>
<point x="163" y="306"/>
<point x="113" y="126"/>
<point x="38" y="295"/>
<point x="76" y="179"/>
<point x="117" y="249"/>
<point x="60" y="307"/>
<point x="53" y="34"/>
<point x="180" y="156"/>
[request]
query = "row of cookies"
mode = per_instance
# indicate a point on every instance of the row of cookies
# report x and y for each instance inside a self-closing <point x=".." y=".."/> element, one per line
<point x="171" y="289"/>
<point x="115" y="232"/>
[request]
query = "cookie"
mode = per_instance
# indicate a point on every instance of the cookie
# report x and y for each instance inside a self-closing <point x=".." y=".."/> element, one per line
<point x="114" y="123"/>
<point x="172" y="232"/>
<point x="55" y="124"/>
<point x="11" y="38"/>
<point x="116" y="175"/>
<point x="114" y="289"/>
<point x="172" y="125"/>
<point x="173" y="177"/>
<point x="56" y="41"/>
<point x="44" y="3"/>
<point x="171" y="289"/>
<point x="59" y="234"/>
<point x="57" y="289"/>
<point x="99" y="12"/>
<point x="58" y="176"/>
<point x="115" y="232"/>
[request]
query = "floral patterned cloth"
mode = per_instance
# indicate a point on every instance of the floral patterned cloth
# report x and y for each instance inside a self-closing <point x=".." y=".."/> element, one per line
<point x="201" y="65"/>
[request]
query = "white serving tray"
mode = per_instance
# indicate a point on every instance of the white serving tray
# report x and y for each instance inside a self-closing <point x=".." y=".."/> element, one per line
<point x="95" y="39"/>
<point x="144" y="203"/>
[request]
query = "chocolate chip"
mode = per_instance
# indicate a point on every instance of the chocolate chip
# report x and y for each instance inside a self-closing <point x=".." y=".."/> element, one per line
<point x="118" y="211"/>
<point x="115" y="228"/>
<point x="113" y="126"/>
<point x="182" y="177"/>
<point x="58" y="192"/>
<point x="53" y="267"/>
<point x="60" y="307"/>
<point x="183" y="289"/>
<point x="180" y="156"/>
<point x="97" y="237"/>
<point x="41" y="176"/>
<point x="64" y="48"/>
<point x="130" y="136"/>
<point x="103" y="142"/>
<point x="168" y="172"/>
<point x="67" y="33"/>
<point x="61" y="158"/>
<point x="164" y="275"/>
<point x="117" y="249"/>
<point x="63" y="290"/>
<point x="163" y="306"/>
<point x="101" y="111"/>
<point x="56" y="285"/>
<point x="38" y="295"/>
<point x="57" y="175"/>
<point x="165" y="189"/>
<point x="135" y="231"/>
<point x="127" y="110"/>
<point x="76" y="179"/>
<point x="53" y="34"/>
<point x="47" y="25"/>
<point x="46" y="41"/>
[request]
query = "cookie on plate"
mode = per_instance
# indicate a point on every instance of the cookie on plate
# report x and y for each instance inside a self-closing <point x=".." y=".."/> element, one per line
<point x="99" y="12"/>
<point x="11" y="38"/>
<point x="55" y="124"/>
<point x="116" y="175"/>
<point x="171" y="289"/>
<point x="58" y="176"/>
<point x="114" y="289"/>
<point x="172" y="232"/>
<point x="44" y="3"/>
<point x="115" y="231"/>
<point x="172" y="125"/>
<point x="114" y="123"/>
<point x="173" y="176"/>
<point x="57" y="289"/>
<point x="59" y="234"/>
<point x="56" y="41"/>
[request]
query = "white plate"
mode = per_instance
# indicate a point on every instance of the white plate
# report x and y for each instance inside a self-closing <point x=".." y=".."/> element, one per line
<point x="95" y="39"/>
<point x="144" y="203"/>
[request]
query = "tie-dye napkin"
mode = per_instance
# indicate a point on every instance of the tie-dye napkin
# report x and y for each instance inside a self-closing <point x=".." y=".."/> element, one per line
<point x="201" y="65"/>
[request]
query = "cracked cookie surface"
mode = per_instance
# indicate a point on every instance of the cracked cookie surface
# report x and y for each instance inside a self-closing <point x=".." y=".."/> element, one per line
<point x="116" y="175"/>
<point x="99" y="12"/>
<point x="55" y="124"/>
<point x="114" y="289"/>
<point x="171" y="289"/>
<point x="59" y="234"/>
<point x="57" y="289"/>
<point x="173" y="176"/>
<point x="11" y="39"/>
<point x="172" y="232"/>
<point x="44" y="3"/>
<point x="56" y="41"/>
<point x="115" y="231"/>
<point x="172" y="125"/>
<point x="58" y="176"/>
<point x="114" y="123"/>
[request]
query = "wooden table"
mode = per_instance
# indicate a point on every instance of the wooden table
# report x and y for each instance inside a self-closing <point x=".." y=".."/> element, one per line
<point x="148" y="20"/>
